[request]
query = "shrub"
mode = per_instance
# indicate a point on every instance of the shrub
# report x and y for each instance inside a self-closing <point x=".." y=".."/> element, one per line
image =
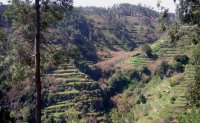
<point x="5" y="115"/>
<point x="192" y="116"/>
<point x="72" y="117"/>
<point x="135" y="75"/>
<point x="92" y="71"/>
<point x="138" y="102"/>
<point x="142" y="99"/>
<point x="118" y="82"/>
<point x="159" y="95"/>
<point x="175" y="80"/>
<point x="172" y="99"/>
<point x="163" y="68"/>
<point x="19" y="71"/>
<point x="122" y="117"/>
<point x="147" y="49"/>
<point x="178" y="67"/>
<point x="137" y="54"/>
<point x="146" y="71"/>
<point x="183" y="59"/>
<point x="60" y="88"/>
<point x="64" y="55"/>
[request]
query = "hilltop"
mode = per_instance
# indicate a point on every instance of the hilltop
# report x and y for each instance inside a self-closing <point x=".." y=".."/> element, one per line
<point x="121" y="27"/>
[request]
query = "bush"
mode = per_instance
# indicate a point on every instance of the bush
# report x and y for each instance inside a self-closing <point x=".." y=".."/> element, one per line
<point x="159" y="95"/>
<point x="146" y="71"/>
<point x="178" y="67"/>
<point x="163" y="68"/>
<point x="183" y="59"/>
<point x="172" y="99"/>
<point x="92" y="71"/>
<point x="175" y="80"/>
<point x="118" y="82"/>
<point x="122" y="117"/>
<point x="72" y="117"/>
<point x="147" y="50"/>
<point x="135" y="75"/>
<point x="192" y="116"/>
<point x="20" y="71"/>
<point x="5" y="115"/>
<point x="64" y="55"/>
<point x="142" y="99"/>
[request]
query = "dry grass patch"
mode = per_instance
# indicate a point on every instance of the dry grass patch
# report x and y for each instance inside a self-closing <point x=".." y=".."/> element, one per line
<point x="116" y="57"/>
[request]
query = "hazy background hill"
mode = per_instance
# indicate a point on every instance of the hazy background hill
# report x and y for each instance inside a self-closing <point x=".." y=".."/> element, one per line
<point x="122" y="27"/>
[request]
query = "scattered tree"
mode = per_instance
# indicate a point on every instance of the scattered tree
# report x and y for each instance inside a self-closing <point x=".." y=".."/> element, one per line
<point x="118" y="82"/>
<point x="146" y="49"/>
<point x="183" y="59"/>
<point x="163" y="68"/>
<point x="142" y="99"/>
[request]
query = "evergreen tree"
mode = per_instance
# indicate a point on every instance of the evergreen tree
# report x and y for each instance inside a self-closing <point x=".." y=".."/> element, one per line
<point x="194" y="93"/>
<point x="189" y="11"/>
<point x="31" y="19"/>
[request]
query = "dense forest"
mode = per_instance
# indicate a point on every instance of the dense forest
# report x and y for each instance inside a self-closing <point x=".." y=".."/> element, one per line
<point x="123" y="64"/>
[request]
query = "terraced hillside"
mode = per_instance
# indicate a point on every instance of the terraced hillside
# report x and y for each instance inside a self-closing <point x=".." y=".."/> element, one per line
<point x="67" y="88"/>
<point x="166" y="98"/>
<point x="161" y="49"/>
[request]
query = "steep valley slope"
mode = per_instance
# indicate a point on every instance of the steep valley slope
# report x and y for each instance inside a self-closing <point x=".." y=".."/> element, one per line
<point x="111" y="80"/>
<point x="67" y="88"/>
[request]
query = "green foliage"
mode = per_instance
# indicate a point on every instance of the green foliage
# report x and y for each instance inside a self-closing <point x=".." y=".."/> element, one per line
<point x="20" y="72"/>
<point x="92" y="71"/>
<point x="183" y="59"/>
<point x="189" y="11"/>
<point x="159" y="95"/>
<point x="146" y="71"/>
<point x="194" y="35"/>
<point x="142" y="99"/>
<point x="178" y="67"/>
<point x="192" y="116"/>
<point x="172" y="99"/>
<point x="73" y="117"/>
<point x="135" y="75"/>
<point x="193" y="89"/>
<point x="5" y="116"/>
<point x="22" y="12"/>
<point x="173" y="33"/>
<point x="66" y="54"/>
<point x="118" y="82"/>
<point x="22" y="15"/>
<point x="122" y="117"/>
<point x="146" y="49"/>
<point x="163" y="27"/>
<point x="176" y="80"/>
<point x="163" y="68"/>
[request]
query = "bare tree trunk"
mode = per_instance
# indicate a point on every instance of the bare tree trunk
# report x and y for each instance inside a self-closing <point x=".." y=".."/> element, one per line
<point x="37" y="63"/>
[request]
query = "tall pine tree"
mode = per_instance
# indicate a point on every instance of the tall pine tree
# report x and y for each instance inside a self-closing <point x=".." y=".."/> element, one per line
<point x="30" y="20"/>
